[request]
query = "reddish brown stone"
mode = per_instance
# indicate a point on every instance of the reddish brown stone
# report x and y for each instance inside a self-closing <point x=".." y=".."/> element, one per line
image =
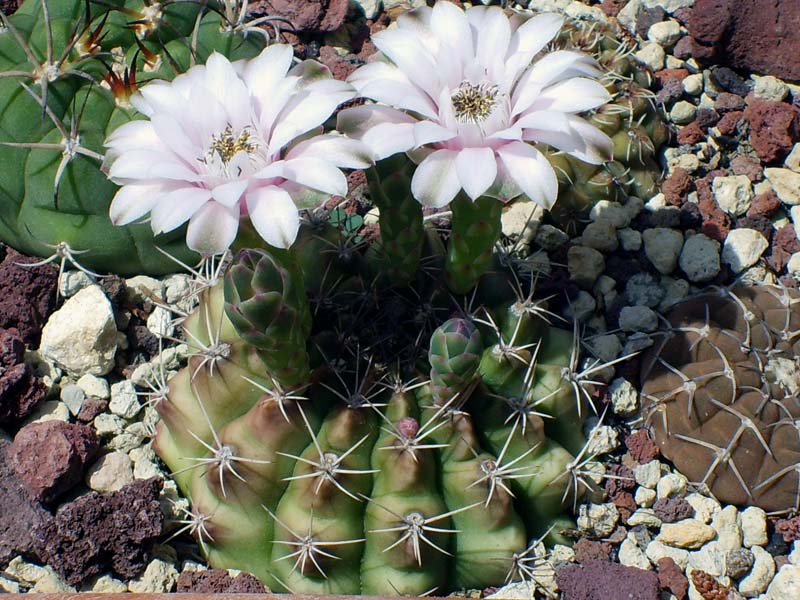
<point x="706" y="117"/>
<point x="774" y="128"/>
<point x="625" y="503"/>
<point x="765" y="204"/>
<point x="612" y="7"/>
<point x="750" y="35"/>
<point x="307" y="16"/>
<point x="665" y="75"/>
<point x="98" y="532"/>
<point x="51" y="457"/>
<point x="19" y="514"/>
<point x="20" y="390"/>
<point x="29" y="294"/>
<point x="784" y="244"/>
<point x="641" y="446"/>
<point x="683" y="49"/>
<point x="729" y="121"/>
<point x="716" y="223"/>
<point x="788" y="528"/>
<point x="677" y="186"/>
<point x="619" y="479"/>
<point x="90" y="408"/>
<point x="599" y="580"/>
<point x="727" y="102"/>
<point x="691" y="134"/>
<point x="670" y="510"/>
<point x="218" y="581"/>
<point x="747" y="166"/>
<point x="671" y="578"/>
<point x="586" y="550"/>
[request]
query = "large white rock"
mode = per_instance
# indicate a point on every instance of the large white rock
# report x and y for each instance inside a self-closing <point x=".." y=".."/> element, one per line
<point x="742" y="248"/>
<point x="81" y="336"/>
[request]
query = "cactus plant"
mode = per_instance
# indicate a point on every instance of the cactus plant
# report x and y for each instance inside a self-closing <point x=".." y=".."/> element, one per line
<point x="720" y="390"/>
<point x="357" y="456"/>
<point x="67" y="72"/>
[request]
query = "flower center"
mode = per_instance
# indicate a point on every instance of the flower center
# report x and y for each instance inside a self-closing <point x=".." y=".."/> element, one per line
<point x="474" y="103"/>
<point x="226" y="145"/>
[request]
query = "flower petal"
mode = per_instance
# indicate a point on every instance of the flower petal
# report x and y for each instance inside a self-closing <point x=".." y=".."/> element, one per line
<point x="226" y="85"/>
<point x="435" y="182"/>
<point x="212" y="229"/>
<point x="531" y="171"/>
<point x="317" y="174"/>
<point x="385" y="83"/>
<point x="273" y="215"/>
<point x="134" y="201"/>
<point x="579" y="139"/>
<point x="492" y="34"/>
<point x="528" y="40"/>
<point x="404" y="49"/>
<point x="572" y="96"/>
<point x="263" y="72"/>
<point x="339" y="150"/>
<point x="477" y="169"/>
<point x="229" y="193"/>
<point x="176" y="207"/>
<point x="357" y="120"/>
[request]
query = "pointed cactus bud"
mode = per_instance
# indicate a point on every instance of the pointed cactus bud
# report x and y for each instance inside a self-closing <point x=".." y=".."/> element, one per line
<point x="454" y="355"/>
<point x="266" y="302"/>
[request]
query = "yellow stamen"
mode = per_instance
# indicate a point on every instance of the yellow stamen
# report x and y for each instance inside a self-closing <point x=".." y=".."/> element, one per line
<point x="474" y="103"/>
<point x="226" y="146"/>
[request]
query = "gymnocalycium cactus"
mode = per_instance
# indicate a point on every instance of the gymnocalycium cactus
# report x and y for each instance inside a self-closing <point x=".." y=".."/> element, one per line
<point x="381" y="419"/>
<point x="361" y="438"/>
<point x="68" y="69"/>
<point x="720" y="390"/>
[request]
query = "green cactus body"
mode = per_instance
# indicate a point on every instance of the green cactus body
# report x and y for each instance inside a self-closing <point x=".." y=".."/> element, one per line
<point x="475" y="230"/>
<point x="355" y="480"/>
<point x="35" y="213"/>
<point x="401" y="217"/>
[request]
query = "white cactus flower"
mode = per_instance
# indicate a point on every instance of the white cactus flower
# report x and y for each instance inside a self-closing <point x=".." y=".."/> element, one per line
<point x="469" y="94"/>
<point x="226" y="140"/>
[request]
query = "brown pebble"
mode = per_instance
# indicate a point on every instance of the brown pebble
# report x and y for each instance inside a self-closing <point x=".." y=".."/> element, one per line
<point x="691" y="134"/>
<point x="677" y="186"/>
<point x="727" y="124"/>
<point x="774" y="128"/>
<point x="671" y="578"/>
<point x="765" y="204"/>
<point x="641" y="446"/>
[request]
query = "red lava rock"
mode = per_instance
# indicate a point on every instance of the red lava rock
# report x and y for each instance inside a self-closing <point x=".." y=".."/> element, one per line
<point x="677" y="186"/>
<point x="51" y="457"/>
<point x="683" y="48"/>
<point x="19" y="514"/>
<point x="716" y="223"/>
<point x="597" y="580"/>
<point x="98" y="532"/>
<point x="784" y="244"/>
<point x="218" y="581"/>
<point x="671" y="510"/>
<point x="612" y="7"/>
<point x="641" y="446"/>
<point x="761" y="224"/>
<point x="691" y="134"/>
<point x="625" y="503"/>
<point x="671" y="578"/>
<point x="774" y="128"/>
<point x="748" y="166"/>
<point x="29" y="294"/>
<point x="766" y="204"/>
<point x="708" y="587"/>
<point x="619" y="479"/>
<point x="665" y="75"/>
<point x="729" y="121"/>
<point x="788" y="528"/>
<point x="727" y="102"/>
<point x="751" y="35"/>
<point x="90" y="408"/>
<point x="586" y="550"/>
<point x="20" y="390"/>
<point x="308" y="16"/>
<point x="341" y="66"/>
<point x="706" y="117"/>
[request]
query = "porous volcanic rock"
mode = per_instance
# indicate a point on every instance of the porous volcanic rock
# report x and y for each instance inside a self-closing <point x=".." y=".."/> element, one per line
<point x="218" y="581"/>
<point x="774" y="128"/>
<point x="50" y="457"/>
<point x="17" y="509"/>
<point x="29" y="294"/>
<point x="20" y="390"/>
<point x="599" y="580"/>
<point x="305" y="16"/>
<point x="752" y="35"/>
<point x="98" y="532"/>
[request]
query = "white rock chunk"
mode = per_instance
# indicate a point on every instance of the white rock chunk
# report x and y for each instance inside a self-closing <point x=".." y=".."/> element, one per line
<point x="81" y="336"/>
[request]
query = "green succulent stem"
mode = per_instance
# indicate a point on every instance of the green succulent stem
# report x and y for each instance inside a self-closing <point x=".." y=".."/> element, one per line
<point x="401" y="223"/>
<point x="475" y="230"/>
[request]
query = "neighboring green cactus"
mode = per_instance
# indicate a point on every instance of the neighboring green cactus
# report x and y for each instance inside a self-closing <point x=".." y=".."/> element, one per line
<point x="361" y="477"/>
<point x="67" y="70"/>
<point x="631" y="120"/>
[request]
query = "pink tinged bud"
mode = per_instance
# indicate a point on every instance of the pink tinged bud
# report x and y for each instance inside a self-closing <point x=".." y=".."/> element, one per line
<point x="408" y="427"/>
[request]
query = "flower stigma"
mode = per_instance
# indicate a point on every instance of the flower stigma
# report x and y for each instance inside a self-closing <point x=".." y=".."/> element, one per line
<point x="474" y="103"/>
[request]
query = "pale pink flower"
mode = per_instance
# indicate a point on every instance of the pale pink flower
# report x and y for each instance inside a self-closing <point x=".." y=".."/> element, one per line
<point x="226" y="140"/>
<point x="469" y="93"/>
